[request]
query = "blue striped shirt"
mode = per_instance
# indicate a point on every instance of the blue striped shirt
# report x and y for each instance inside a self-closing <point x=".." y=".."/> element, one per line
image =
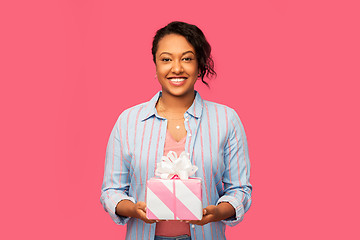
<point x="216" y="142"/>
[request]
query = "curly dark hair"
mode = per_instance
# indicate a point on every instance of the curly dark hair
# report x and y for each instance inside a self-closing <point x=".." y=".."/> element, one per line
<point x="196" y="38"/>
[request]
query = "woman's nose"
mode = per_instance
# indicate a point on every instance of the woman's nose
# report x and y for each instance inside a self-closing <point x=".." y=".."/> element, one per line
<point x="177" y="67"/>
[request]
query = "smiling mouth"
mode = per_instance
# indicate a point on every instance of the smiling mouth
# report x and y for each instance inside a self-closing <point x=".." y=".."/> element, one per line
<point x="177" y="80"/>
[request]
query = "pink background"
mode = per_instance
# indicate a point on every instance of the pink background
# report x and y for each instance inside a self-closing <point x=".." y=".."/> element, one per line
<point x="289" y="68"/>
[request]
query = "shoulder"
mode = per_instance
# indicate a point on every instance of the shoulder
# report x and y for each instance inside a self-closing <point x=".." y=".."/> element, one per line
<point x="135" y="108"/>
<point x="222" y="109"/>
<point x="140" y="111"/>
<point x="132" y="112"/>
<point x="226" y="116"/>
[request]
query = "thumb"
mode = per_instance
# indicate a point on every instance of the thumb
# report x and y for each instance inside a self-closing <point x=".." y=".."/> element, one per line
<point x="209" y="210"/>
<point x="142" y="206"/>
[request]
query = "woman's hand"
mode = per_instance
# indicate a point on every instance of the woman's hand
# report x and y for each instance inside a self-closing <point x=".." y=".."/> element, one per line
<point x="129" y="209"/>
<point x="140" y="212"/>
<point x="214" y="213"/>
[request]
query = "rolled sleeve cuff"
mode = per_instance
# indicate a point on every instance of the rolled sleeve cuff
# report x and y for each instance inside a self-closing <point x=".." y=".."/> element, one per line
<point x="239" y="210"/>
<point x="110" y="203"/>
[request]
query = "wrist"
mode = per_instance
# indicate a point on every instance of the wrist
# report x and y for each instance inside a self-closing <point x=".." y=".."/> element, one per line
<point x="133" y="211"/>
<point x="125" y="208"/>
<point x="226" y="210"/>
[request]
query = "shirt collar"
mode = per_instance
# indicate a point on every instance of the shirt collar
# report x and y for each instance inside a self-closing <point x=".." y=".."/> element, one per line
<point x="195" y="109"/>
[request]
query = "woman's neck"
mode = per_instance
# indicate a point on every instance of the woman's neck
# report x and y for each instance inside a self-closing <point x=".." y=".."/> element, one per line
<point x="177" y="104"/>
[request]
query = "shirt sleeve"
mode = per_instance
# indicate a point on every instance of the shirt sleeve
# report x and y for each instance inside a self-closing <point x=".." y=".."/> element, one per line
<point x="115" y="187"/>
<point x="237" y="188"/>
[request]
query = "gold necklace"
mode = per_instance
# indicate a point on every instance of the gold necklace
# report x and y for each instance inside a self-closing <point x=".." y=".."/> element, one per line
<point x="163" y="112"/>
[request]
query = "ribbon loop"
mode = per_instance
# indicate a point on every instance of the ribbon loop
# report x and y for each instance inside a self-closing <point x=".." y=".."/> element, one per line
<point x="172" y="166"/>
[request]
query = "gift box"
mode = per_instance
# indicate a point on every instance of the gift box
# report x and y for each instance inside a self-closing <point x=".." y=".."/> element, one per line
<point x="174" y="199"/>
<point x="173" y="195"/>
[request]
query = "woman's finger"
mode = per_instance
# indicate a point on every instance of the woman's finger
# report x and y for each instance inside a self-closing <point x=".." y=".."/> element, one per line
<point x="142" y="214"/>
<point x="209" y="209"/>
<point x="204" y="211"/>
<point x="206" y="219"/>
<point x="143" y="217"/>
<point x="141" y="205"/>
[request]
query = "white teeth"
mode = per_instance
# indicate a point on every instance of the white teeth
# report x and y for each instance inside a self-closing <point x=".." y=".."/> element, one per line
<point x="177" y="79"/>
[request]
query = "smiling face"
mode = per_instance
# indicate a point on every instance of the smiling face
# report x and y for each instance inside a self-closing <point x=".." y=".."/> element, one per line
<point x="176" y="65"/>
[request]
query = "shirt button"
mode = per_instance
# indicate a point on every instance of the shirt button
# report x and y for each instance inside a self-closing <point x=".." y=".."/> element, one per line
<point x="186" y="119"/>
<point x="193" y="226"/>
<point x="189" y="134"/>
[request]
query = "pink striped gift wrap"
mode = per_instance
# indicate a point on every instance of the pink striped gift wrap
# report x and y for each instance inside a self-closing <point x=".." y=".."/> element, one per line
<point x="174" y="199"/>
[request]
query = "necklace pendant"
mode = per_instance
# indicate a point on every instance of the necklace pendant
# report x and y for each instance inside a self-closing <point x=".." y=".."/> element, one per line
<point x="177" y="127"/>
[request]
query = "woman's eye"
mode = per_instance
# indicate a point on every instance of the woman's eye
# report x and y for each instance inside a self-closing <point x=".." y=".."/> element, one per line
<point x="166" y="59"/>
<point x="187" y="59"/>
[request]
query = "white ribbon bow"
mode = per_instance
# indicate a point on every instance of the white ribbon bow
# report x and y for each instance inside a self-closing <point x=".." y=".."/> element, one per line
<point x="171" y="165"/>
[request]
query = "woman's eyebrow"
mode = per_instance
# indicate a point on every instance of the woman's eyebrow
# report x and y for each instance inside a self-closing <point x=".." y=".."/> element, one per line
<point x="165" y="53"/>
<point x="188" y="52"/>
<point x="182" y="54"/>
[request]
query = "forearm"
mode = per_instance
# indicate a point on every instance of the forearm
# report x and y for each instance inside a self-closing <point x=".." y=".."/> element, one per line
<point x="125" y="208"/>
<point x="225" y="210"/>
